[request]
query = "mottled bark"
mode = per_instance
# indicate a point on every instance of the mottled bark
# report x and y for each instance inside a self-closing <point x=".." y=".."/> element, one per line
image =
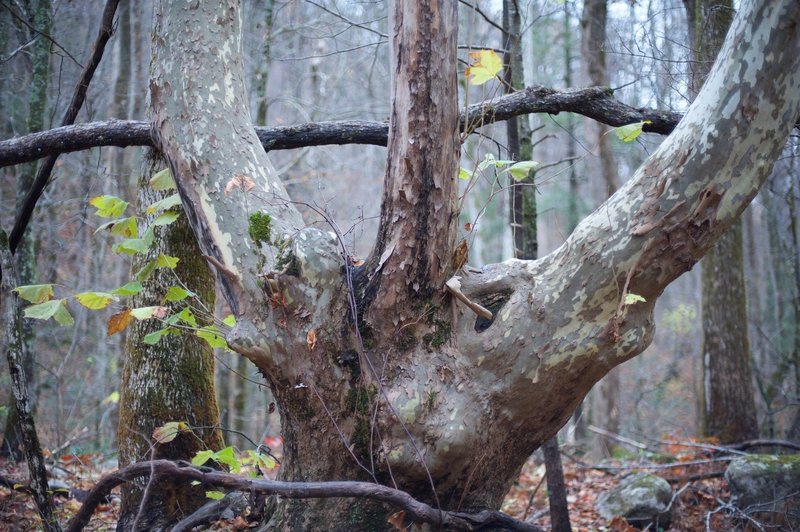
<point x="729" y="410"/>
<point x="416" y="236"/>
<point x="423" y="389"/>
<point x="172" y="380"/>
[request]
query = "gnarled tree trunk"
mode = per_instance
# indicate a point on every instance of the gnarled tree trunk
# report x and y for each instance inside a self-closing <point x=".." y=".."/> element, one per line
<point x="420" y="392"/>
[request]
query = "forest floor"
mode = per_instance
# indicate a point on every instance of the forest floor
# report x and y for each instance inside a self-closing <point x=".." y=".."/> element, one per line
<point x="698" y="506"/>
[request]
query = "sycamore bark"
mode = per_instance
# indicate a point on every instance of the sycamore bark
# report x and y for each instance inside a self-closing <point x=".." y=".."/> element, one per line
<point x="421" y="393"/>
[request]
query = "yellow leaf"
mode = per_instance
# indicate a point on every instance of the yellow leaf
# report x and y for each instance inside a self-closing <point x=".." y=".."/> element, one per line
<point x="486" y="64"/>
<point x="168" y="431"/>
<point x="113" y="397"/>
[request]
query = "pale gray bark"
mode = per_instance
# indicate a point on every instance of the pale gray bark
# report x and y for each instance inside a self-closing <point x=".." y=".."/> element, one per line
<point x="472" y="405"/>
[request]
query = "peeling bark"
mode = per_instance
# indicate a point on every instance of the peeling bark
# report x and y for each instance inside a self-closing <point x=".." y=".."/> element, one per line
<point x="421" y="381"/>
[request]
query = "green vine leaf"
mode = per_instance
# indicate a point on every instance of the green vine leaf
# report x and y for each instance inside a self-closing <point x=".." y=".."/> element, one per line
<point x="108" y="206"/>
<point x="520" y="170"/>
<point x="95" y="300"/>
<point x="166" y="261"/>
<point x="176" y="293"/>
<point x="630" y="299"/>
<point x="629" y="132"/>
<point x="124" y="227"/>
<point x="164" y="204"/>
<point x="35" y="293"/>
<point x="56" y="309"/>
<point x="166" y="218"/>
<point x="129" y="289"/>
<point x="162" y="180"/>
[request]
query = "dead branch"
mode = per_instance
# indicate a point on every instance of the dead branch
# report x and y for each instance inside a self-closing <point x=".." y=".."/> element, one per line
<point x="418" y="511"/>
<point x="597" y="103"/>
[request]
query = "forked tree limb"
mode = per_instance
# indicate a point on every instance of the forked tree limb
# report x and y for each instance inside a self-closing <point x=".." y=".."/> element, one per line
<point x="78" y="98"/>
<point x="597" y="103"/>
<point x="417" y="511"/>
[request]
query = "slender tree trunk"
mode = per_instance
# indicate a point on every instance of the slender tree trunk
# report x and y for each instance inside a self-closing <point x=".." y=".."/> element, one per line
<point x="15" y="355"/>
<point x="172" y="380"/>
<point x="729" y="411"/>
<point x="523" y="227"/>
<point x="25" y="255"/>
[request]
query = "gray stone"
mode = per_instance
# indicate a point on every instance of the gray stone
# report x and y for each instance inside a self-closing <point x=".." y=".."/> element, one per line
<point x="763" y="482"/>
<point x="642" y="499"/>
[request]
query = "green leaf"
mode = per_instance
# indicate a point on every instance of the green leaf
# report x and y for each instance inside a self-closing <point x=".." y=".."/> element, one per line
<point x="230" y="320"/>
<point x="211" y="335"/>
<point x="216" y="495"/>
<point x="146" y="271"/>
<point x="95" y="300"/>
<point x="43" y="311"/>
<point x="486" y="64"/>
<point x="166" y="261"/>
<point x="228" y="457"/>
<point x="202" y="457"/>
<point x="629" y="132"/>
<point x="166" y="218"/>
<point x="131" y="246"/>
<point x="187" y="317"/>
<point x="109" y="206"/>
<point x="263" y="461"/>
<point x="62" y="315"/>
<point x="630" y="299"/>
<point x="145" y="313"/>
<point x="155" y="337"/>
<point x="129" y="289"/>
<point x="162" y="180"/>
<point x="164" y="204"/>
<point x="176" y="293"/>
<point x="464" y="174"/>
<point x="520" y="170"/>
<point x="35" y="293"/>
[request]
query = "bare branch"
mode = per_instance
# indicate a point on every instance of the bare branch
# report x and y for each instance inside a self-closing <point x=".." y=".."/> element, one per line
<point x="594" y="102"/>
<point x="418" y="512"/>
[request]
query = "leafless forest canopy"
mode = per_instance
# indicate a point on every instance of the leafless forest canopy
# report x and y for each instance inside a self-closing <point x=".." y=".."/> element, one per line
<point x="324" y="60"/>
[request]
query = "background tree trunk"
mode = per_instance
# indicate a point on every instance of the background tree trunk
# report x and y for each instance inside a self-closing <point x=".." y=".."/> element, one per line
<point x="729" y="411"/>
<point x="25" y="255"/>
<point x="172" y="380"/>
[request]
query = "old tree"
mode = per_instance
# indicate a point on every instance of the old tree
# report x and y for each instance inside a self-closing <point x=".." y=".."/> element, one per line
<point x="379" y="371"/>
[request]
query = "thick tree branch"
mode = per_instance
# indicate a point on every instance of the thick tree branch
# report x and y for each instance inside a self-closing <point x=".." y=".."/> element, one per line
<point x="417" y="511"/>
<point x="78" y="97"/>
<point x="597" y="103"/>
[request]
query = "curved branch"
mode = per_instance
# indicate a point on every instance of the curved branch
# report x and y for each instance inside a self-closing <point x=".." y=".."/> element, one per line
<point x="418" y="511"/>
<point x="597" y="103"/>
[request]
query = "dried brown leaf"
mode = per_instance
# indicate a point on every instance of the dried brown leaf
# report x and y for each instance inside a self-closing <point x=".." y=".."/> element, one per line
<point x="245" y="182"/>
<point x="118" y="322"/>
<point x="311" y="339"/>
